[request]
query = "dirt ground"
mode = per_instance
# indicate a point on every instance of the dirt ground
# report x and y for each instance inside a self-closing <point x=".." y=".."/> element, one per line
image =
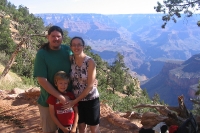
<point x="21" y="115"/>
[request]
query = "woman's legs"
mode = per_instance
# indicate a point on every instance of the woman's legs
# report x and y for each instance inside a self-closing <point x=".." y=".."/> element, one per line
<point x="89" y="114"/>
<point x="82" y="128"/>
<point x="94" y="129"/>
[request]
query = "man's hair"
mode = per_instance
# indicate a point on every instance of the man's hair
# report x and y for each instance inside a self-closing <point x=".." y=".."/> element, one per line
<point x="55" y="28"/>
<point x="51" y="29"/>
<point x="61" y="75"/>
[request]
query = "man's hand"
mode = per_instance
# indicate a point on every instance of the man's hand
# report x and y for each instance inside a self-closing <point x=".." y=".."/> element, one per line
<point x="63" y="99"/>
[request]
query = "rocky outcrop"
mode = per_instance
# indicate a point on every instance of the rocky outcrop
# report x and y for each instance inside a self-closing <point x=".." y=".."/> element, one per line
<point x="176" y="78"/>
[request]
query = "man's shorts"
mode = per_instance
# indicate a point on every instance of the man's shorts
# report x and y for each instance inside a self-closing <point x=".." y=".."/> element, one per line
<point x="89" y="112"/>
<point x="46" y="122"/>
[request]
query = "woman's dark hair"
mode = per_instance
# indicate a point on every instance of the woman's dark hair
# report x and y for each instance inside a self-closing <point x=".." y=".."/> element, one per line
<point x="51" y="29"/>
<point x="77" y="37"/>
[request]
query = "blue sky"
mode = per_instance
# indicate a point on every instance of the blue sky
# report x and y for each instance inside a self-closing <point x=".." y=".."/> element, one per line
<point x="89" y="6"/>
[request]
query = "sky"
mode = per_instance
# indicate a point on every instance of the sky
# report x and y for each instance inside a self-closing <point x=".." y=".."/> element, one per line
<point x="89" y="6"/>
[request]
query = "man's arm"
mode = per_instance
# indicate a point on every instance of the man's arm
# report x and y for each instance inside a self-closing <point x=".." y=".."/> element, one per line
<point x="50" y="89"/>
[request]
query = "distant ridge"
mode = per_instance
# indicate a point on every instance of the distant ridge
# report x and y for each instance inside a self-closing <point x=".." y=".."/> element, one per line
<point x="176" y="79"/>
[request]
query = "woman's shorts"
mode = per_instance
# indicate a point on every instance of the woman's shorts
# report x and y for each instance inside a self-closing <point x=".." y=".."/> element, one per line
<point x="89" y="112"/>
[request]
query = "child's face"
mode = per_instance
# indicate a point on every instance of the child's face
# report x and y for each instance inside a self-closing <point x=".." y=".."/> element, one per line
<point x="62" y="85"/>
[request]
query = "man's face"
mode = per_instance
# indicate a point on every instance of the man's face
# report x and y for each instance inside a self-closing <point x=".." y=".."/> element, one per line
<point x="55" y="40"/>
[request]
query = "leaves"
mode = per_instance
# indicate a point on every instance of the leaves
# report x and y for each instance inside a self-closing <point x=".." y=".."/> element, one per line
<point x="174" y="8"/>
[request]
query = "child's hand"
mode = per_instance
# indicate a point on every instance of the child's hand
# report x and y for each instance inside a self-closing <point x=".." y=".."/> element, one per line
<point x="73" y="130"/>
<point x="66" y="130"/>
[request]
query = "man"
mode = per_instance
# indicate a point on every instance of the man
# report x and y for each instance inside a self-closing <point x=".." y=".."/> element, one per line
<point x="51" y="58"/>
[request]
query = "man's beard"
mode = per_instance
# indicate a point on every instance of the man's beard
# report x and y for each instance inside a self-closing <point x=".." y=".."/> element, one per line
<point x="56" y="47"/>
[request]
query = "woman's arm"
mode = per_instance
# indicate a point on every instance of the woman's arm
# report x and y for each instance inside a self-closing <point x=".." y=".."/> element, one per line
<point x="75" y="124"/>
<point x="90" y="82"/>
<point x="56" y="121"/>
<point x="50" y="89"/>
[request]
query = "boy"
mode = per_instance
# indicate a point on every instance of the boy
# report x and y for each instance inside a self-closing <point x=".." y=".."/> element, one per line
<point x="65" y="119"/>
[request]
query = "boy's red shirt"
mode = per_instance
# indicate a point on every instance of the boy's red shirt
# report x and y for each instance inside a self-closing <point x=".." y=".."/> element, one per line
<point x="65" y="117"/>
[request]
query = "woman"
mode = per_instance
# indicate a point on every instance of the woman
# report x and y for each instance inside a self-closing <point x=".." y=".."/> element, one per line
<point x="83" y="76"/>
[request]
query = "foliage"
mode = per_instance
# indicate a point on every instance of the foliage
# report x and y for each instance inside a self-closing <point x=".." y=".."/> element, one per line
<point x="144" y="92"/>
<point x="123" y="104"/>
<point x="12" y="81"/>
<point x="6" y="42"/>
<point x="66" y="38"/>
<point x="26" y="38"/>
<point x="117" y="73"/>
<point x="156" y="98"/>
<point x="198" y="91"/>
<point x="3" y="58"/>
<point x="116" y="76"/>
<point x="196" y="107"/>
<point x="173" y="9"/>
<point x="24" y="65"/>
<point x="101" y="67"/>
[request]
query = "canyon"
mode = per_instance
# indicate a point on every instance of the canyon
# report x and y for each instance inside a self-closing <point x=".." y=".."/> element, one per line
<point x="154" y="55"/>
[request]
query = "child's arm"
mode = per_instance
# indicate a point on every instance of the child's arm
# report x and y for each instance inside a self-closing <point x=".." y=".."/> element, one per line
<point x="73" y="130"/>
<point x="56" y="121"/>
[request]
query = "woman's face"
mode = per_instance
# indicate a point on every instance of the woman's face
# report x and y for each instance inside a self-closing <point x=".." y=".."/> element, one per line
<point x="77" y="46"/>
<point x="55" y="40"/>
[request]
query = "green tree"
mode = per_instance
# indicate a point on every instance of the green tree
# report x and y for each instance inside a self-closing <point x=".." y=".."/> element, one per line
<point x="116" y="76"/>
<point x="173" y="9"/>
<point x="197" y="93"/>
<point x="101" y="67"/>
<point x="6" y="42"/>
<point x="130" y="89"/>
<point x="156" y="98"/>
<point x="30" y="29"/>
<point x="196" y="102"/>
<point x="3" y="2"/>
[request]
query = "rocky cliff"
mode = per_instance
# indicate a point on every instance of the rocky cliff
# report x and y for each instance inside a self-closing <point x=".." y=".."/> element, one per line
<point x="176" y="78"/>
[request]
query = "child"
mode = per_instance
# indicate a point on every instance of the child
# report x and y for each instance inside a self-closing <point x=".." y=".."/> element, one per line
<point x="65" y="119"/>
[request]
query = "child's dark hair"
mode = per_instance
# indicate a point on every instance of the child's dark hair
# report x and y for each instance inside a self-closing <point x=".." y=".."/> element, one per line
<point x="51" y="29"/>
<point x="61" y="75"/>
<point x="77" y="37"/>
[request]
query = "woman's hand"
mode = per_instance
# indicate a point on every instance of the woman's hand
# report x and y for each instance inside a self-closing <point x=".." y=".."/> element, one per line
<point x="68" y="105"/>
<point x="95" y="83"/>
